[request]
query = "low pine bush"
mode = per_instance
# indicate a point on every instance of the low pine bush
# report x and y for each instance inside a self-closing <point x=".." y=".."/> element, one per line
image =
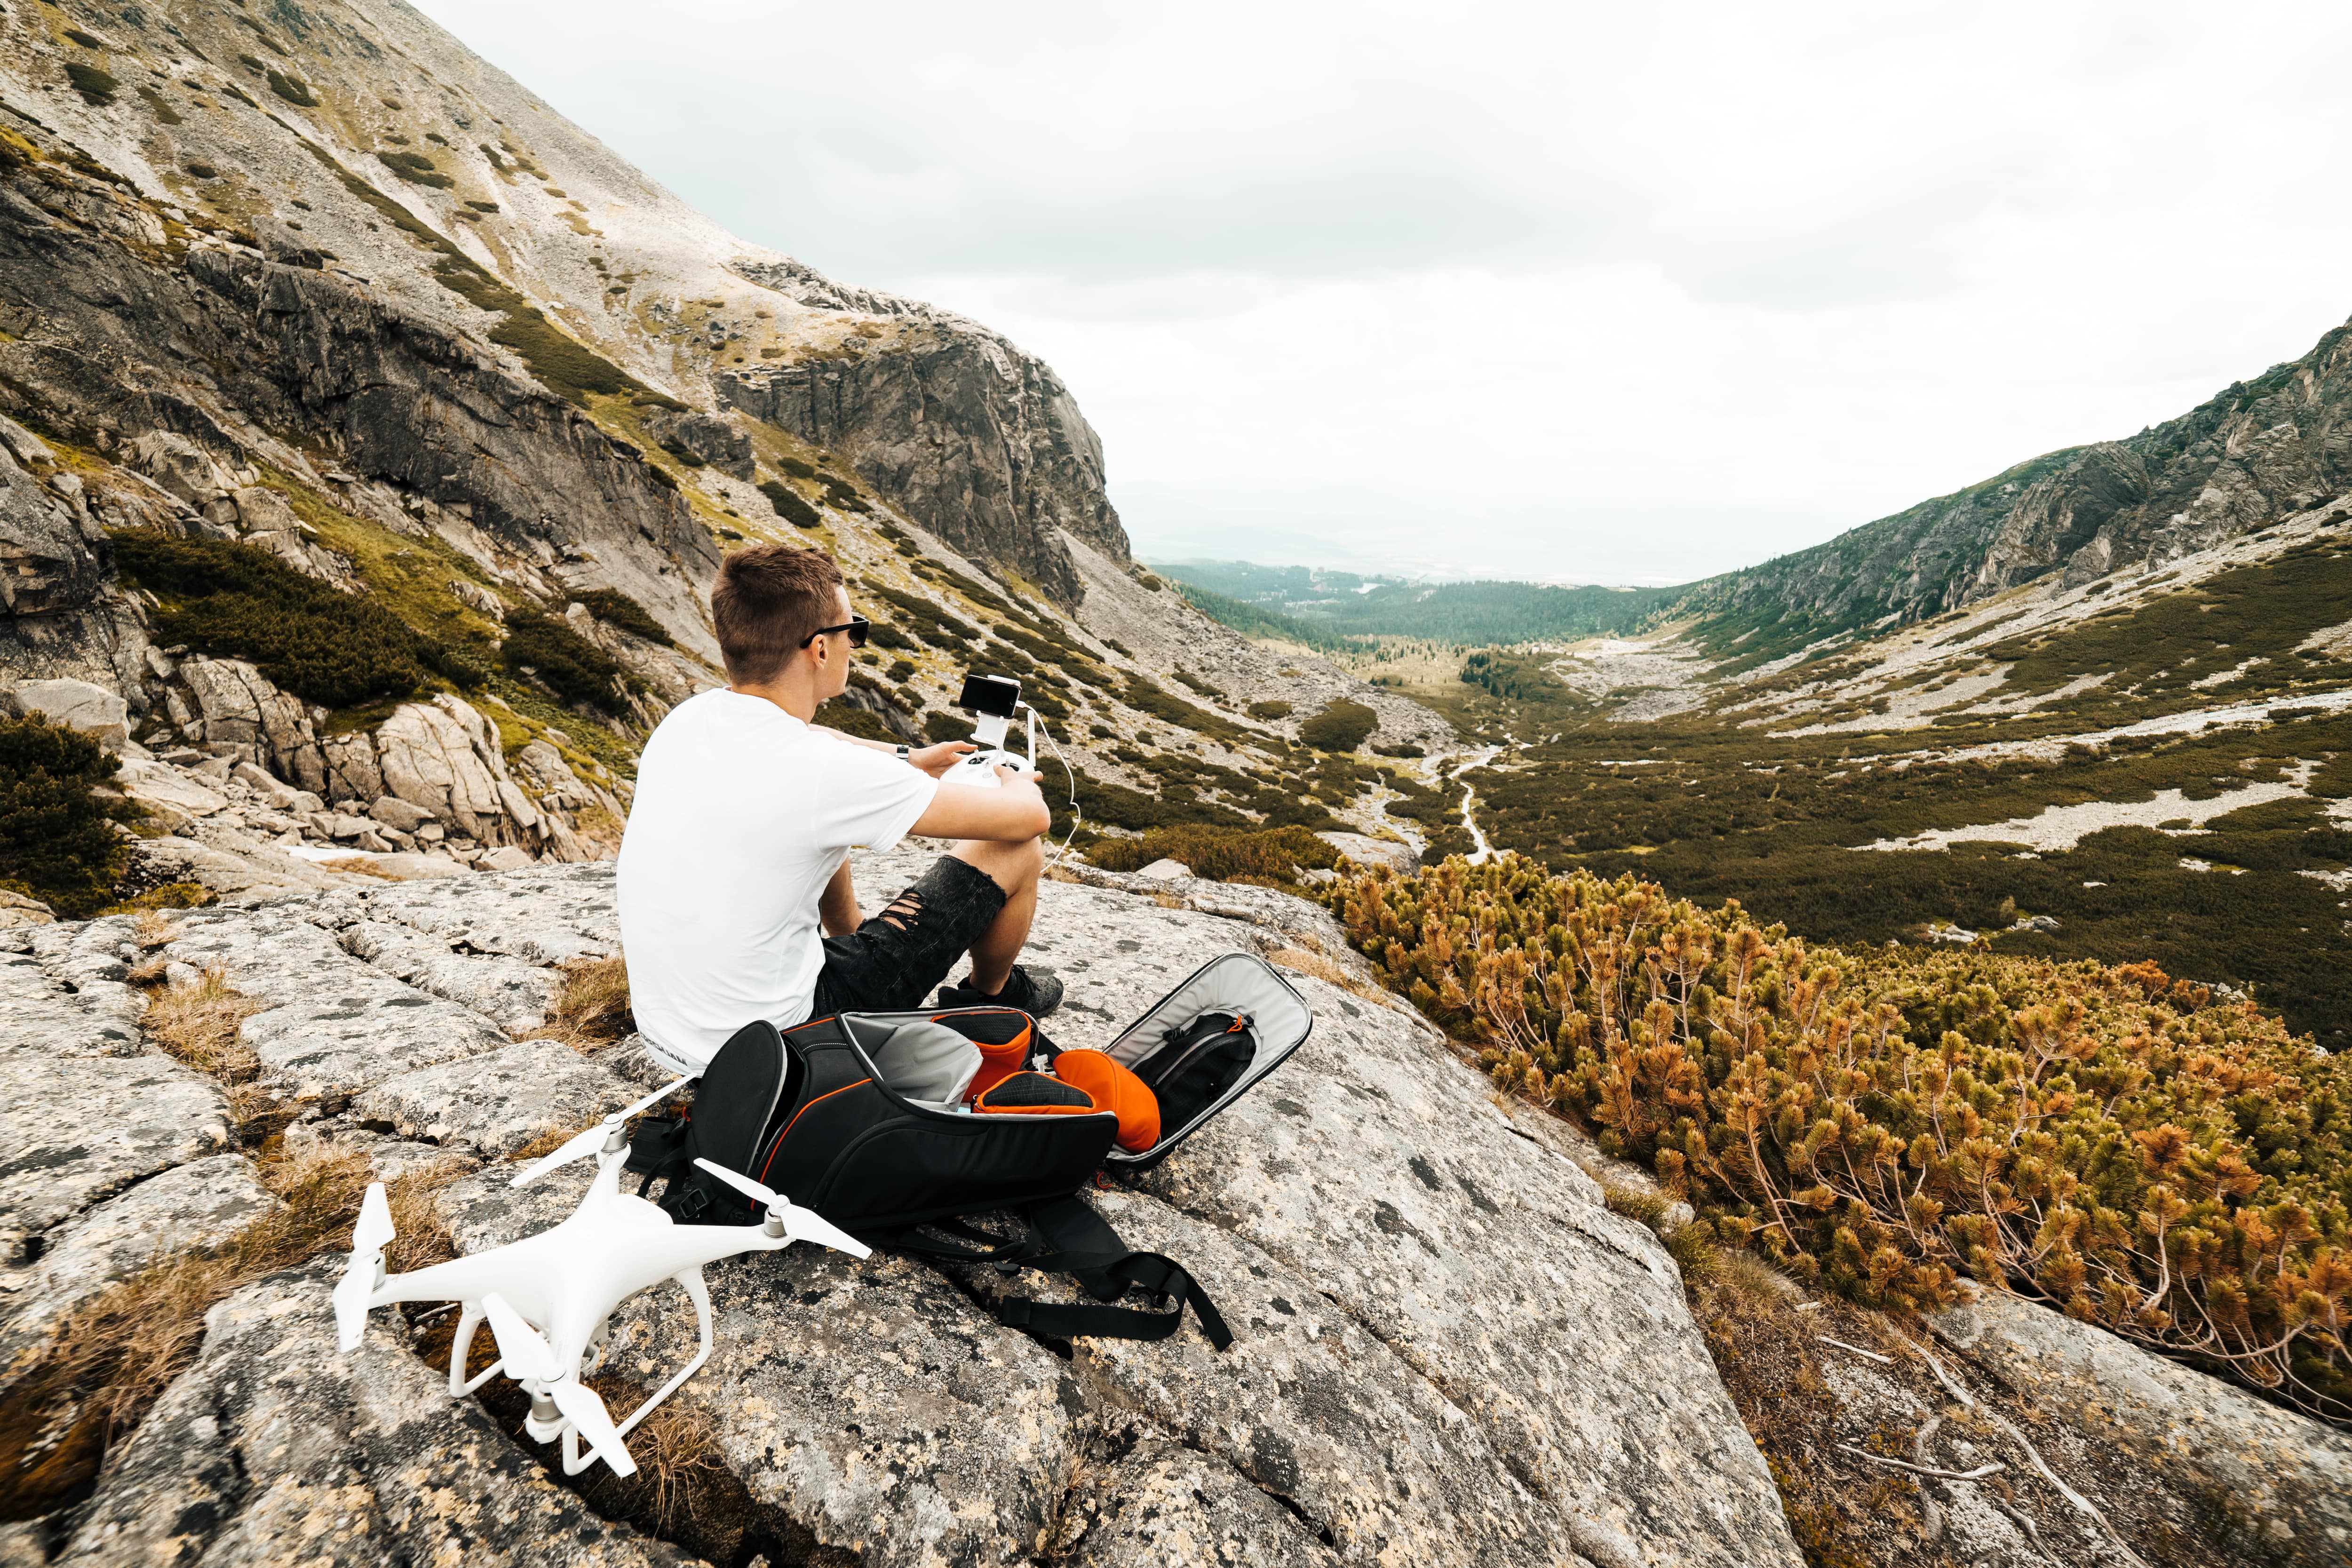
<point x="615" y="608"/>
<point x="1273" y="857"/>
<point x="2105" y="1139"/>
<point x="571" y="666"/>
<point x="1341" y="727"/>
<point x="237" y="601"/>
<point x="57" y="837"/>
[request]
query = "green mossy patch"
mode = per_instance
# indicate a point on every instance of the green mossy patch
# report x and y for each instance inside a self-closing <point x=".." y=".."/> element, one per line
<point x="1268" y="857"/>
<point x="297" y="91"/>
<point x="1342" y="726"/>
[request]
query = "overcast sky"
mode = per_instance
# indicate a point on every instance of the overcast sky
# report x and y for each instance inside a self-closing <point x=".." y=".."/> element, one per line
<point x="1584" y="292"/>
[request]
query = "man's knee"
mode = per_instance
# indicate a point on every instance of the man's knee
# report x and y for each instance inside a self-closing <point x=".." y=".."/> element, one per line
<point x="1011" y="866"/>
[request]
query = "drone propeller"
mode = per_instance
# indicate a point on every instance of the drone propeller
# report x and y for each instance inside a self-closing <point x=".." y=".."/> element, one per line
<point x="528" y="1354"/>
<point x="799" y="1224"/>
<point x="523" y="1348"/>
<point x="591" y="1141"/>
<point x="369" y="1238"/>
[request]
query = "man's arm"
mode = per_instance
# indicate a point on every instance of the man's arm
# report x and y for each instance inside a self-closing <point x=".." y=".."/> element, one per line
<point x="932" y="760"/>
<point x="836" y="907"/>
<point x="1012" y="814"/>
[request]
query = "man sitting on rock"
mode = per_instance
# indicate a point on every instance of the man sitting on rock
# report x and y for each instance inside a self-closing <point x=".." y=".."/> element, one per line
<point x="736" y="900"/>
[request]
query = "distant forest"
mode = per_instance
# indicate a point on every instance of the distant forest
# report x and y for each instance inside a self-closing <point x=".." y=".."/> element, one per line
<point x="1324" y="609"/>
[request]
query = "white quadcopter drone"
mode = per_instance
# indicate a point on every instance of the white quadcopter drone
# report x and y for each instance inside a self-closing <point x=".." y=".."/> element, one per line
<point x="550" y="1298"/>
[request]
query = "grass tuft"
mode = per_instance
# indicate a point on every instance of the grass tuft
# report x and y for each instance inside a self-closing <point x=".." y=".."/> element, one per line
<point x="592" y="1004"/>
<point x="112" y="1357"/>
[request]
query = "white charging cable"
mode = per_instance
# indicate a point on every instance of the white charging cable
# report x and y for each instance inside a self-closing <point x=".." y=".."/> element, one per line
<point x="1070" y="772"/>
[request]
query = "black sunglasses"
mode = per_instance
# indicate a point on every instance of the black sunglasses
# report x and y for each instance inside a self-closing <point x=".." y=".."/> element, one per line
<point x="854" y="625"/>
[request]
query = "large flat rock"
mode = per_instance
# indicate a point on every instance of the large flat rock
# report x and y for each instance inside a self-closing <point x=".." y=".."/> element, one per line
<point x="274" y="1448"/>
<point x="75" y="1132"/>
<point x="331" y="1024"/>
<point x="197" y="1206"/>
<point x="1449" y="1351"/>
<point x="496" y="1103"/>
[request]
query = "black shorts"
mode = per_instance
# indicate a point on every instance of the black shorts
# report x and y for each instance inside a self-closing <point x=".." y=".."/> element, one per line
<point x="894" y="962"/>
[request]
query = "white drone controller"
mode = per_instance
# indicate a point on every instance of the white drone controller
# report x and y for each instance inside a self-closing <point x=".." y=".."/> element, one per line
<point x="991" y="699"/>
<point x="550" y="1298"/>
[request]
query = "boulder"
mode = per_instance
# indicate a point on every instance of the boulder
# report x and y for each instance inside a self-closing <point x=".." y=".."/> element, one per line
<point x="1365" y="850"/>
<point x="179" y="467"/>
<point x="46" y="560"/>
<point x="160" y="783"/>
<point x="1166" y="871"/>
<point x="442" y="757"/>
<point x="508" y="859"/>
<point x="351" y="774"/>
<point x="2281" y="1478"/>
<point x="75" y="704"/>
<point x="236" y="708"/>
<point x="394" y="812"/>
<point x="406" y="863"/>
<point x="16" y="910"/>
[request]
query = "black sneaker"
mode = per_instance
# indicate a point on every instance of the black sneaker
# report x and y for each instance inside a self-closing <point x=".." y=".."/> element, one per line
<point x="1037" y="995"/>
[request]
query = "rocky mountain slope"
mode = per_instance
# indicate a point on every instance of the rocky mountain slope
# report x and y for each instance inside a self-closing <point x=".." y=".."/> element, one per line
<point x="327" y="300"/>
<point x="2255" y="453"/>
<point x="1450" y="1348"/>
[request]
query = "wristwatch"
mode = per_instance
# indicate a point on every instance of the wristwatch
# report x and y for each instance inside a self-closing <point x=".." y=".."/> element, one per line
<point x="903" y="752"/>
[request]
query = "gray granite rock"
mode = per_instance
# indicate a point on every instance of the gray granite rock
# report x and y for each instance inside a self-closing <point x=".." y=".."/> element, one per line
<point x="75" y="704"/>
<point x="1449" y="1351"/>
<point x="495" y="1103"/>
<point x="512" y="994"/>
<point x="75" y="1131"/>
<point x="331" y="1024"/>
<point x="196" y="1206"/>
<point x="1166" y="1506"/>
<point x="274" y="1448"/>
<point x="2283" y="1478"/>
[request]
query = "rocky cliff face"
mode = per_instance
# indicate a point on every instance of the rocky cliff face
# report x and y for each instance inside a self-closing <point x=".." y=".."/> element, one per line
<point x="979" y="442"/>
<point x="2255" y="453"/>
<point x="373" y="150"/>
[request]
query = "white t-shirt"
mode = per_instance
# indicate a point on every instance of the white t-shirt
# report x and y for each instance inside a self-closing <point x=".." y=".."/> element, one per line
<point x="742" y="814"/>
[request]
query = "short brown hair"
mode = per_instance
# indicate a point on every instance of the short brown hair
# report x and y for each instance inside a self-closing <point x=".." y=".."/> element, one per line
<point x="769" y="600"/>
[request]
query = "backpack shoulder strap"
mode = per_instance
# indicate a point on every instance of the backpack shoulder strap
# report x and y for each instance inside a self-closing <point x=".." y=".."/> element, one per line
<point x="1065" y="1236"/>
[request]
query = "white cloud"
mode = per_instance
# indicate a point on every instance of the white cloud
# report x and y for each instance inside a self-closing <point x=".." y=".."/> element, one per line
<point x="1627" y="293"/>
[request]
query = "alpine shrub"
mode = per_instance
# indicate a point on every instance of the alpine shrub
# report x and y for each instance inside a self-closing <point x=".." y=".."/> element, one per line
<point x="1272" y="857"/>
<point x="615" y="608"/>
<point x="2107" y="1139"/>
<point x="569" y="665"/>
<point x="788" y="504"/>
<point x="57" y="836"/>
<point x="326" y="646"/>
<point x="1341" y="727"/>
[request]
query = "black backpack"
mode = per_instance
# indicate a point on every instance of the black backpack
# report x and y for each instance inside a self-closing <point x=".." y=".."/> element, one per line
<point x="807" y="1114"/>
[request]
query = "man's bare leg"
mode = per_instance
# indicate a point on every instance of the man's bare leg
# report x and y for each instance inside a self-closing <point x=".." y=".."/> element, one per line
<point x="1016" y="868"/>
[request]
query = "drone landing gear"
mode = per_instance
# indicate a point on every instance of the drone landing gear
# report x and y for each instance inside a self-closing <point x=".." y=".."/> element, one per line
<point x="545" y="1423"/>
